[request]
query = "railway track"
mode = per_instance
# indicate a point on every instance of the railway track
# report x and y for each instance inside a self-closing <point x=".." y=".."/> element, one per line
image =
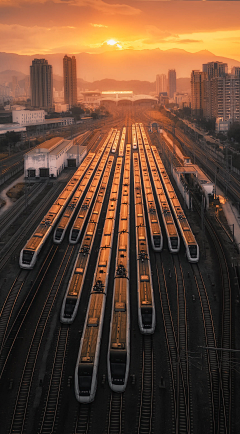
<point x="8" y="218"/>
<point x="145" y="419"/>
<point x="177" y="348"/>
<point x="50" y="413"/>
<point x="82" y="425"/>
<point x="21" y="408"/>
<point x="26" y="229"/>
<point x="115" y="416"/>
<point x="14" y="324"/>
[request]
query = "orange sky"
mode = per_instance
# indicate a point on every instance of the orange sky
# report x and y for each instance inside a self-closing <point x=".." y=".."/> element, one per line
<point x="73" y="26"/>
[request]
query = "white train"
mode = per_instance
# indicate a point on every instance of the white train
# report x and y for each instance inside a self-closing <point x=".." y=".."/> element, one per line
<point x="191" y="245"/>
<point x="73" y="293"/>
<point x="88" y="356"/>
<point x="146" y="305"/>
<point x="118" y="357"/>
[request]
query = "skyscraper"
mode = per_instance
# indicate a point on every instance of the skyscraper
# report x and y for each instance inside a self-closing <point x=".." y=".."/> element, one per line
<point x="198" y="80"/>
<point x="171" y="82"/>
<point x="70" y="80"/>
<point x="41" y="83"/>
<point x="161" y="83"/>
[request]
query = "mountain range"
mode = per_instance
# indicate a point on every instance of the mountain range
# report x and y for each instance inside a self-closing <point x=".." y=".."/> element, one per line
<point x="121" y="65"/>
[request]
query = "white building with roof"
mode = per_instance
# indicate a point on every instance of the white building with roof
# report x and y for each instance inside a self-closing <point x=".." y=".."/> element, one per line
<point x="28" y="117"/>
<point x="49" y="158"/>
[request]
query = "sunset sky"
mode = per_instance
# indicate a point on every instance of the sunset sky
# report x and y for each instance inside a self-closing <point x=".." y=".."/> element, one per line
<point x="73" y="26"/>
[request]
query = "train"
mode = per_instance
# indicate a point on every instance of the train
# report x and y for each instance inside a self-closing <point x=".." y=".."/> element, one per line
<point x="74" y="289"/>
<point x="115" y="141"/>
<point x="85" y="379"/>
<point x="134" y="137"/>
<point x="191" y="245"/>
<point x="122" y="143"/>
<point x="70" y="209"/>
<point x="173" y="238"/>
<point x="118" y="358"/>
<point x="79" y="221"/>
<point x="154" y="224"/>
<point x="146" y="305"/>
<point x="31" y="250"/>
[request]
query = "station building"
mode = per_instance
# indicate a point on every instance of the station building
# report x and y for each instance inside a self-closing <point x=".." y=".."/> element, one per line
<point x="49" y="158"/>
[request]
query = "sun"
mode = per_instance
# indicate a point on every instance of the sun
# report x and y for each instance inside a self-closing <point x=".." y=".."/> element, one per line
<point x="111" y="42"/>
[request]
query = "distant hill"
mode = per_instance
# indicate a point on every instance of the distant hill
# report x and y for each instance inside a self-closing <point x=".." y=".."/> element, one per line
<point x="141" y="65"/>
<point x="6" y="76"/>
<point x="137" y="86"/>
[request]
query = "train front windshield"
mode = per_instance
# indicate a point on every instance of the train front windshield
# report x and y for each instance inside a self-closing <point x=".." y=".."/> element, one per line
<point x="85" y="371"/>
<point x="146" y="317"/>
<point x="118" y="360"/>
<point x="74" y="234"/>
<point x="69" y="307"/>
<point x="193" y="251"/>
<point x="174" y="242"/>
<point x="27" y="256"/>
<point x="156" y="240"/>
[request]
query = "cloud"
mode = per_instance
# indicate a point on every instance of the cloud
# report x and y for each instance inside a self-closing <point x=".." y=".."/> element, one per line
<point x="98" y="25"/>
<point x="99" y="5"/>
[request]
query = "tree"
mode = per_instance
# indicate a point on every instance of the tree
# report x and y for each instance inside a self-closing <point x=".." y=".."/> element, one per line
<point x="234" y="132"/>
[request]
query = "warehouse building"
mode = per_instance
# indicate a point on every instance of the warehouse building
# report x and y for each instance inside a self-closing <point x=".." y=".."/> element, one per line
<point x="49" y="158"/>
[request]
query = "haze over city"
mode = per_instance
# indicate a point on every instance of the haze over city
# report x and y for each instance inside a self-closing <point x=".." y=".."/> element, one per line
<point x="85" y="26"/>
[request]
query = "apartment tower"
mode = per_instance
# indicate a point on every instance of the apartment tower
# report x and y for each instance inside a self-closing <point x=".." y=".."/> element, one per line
<point x="161" y="83"/>
<point x="198" y="80"/>
<point x="41" y="83"/>
<point x="171" y="83"/>
<point x="70" y="80"/>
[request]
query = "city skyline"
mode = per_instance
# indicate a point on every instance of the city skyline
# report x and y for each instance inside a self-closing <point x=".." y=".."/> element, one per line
<point x="75" y="26"/>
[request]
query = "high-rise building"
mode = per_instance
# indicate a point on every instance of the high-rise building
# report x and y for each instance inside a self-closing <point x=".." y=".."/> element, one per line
<point x="14" y="86"/>
<point x="41" y="82"/>
<point x="161" y="83"/>
<point x="215" y="69"/>
<point x="215" y="93"/>
<point x="171" y="82"/>
<point x="198" y="79"/>
<point x="70" y="80"/>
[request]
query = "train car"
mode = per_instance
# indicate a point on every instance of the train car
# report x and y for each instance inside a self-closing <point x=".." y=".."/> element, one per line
<point x="118" y="358"/>
<point x="73" y="293"/>
<point x="66" y="219"/>
<point x="122" y="143"/>
<point x="167" y="217"/>
<point x="134" y="137"/>
<point x="146" y="306"/>
<point x="154" y="225"/>
<point x="31" y="250"/>
<point x="88" y="356"/>
<point x="79" y="221"/>
<point x="191" y="245"/>
<point x="115" y="142"/>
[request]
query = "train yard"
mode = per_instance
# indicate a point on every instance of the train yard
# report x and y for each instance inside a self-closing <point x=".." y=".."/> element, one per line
<point x="114" y="318"/>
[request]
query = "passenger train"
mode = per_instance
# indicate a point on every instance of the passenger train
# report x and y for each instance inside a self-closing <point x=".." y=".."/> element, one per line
<point x="79" y="221"/>
<point x="30" y="252"/>
<point x="154" y="225"/>
<point x="76" y="281"/>
<point x="118" y="357"/>
<point x="122" y="143"/>
<point x="70" y="209"/>
<point x="191" y="245"/>
<point x="146" y="306"/>
<point x="88" y="356"/>
<point x="173" y="239"/>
